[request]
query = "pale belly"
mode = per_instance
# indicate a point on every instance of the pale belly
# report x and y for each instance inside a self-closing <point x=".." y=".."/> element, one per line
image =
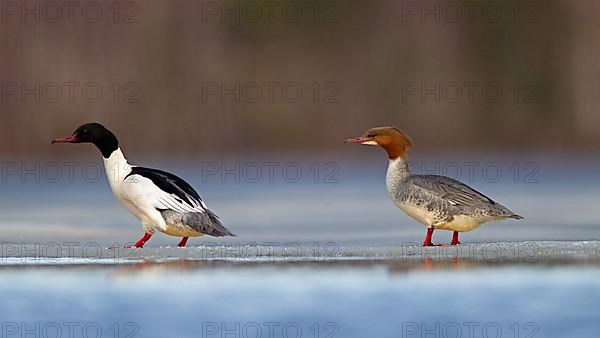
<point x="180" y="230"/>
<point x="460" y="223"/>
<point x="419" y="214"/>
<point x="133" y="210"/>
<point x="153" y="221"/>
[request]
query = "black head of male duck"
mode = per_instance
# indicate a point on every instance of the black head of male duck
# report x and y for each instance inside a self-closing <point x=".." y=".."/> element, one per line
<point x="94" y="133"/>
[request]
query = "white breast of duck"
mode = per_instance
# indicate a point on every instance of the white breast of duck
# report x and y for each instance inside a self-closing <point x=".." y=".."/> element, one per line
<point x="162" y="201"/>
<point x="134" y="193"/>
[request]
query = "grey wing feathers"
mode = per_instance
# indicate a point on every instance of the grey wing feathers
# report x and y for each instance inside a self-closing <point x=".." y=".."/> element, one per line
<point x="460" y="195"/>
<point x="451" y="190"/>
<point x="204" y="222"/>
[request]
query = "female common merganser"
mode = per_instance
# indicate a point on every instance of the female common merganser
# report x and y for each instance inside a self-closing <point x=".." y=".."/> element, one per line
<point x="162" y="201"/>
<point x="439" y="202"/>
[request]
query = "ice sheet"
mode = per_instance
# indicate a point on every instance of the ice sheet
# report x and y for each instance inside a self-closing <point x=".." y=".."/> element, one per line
<point x="372" y="299"/>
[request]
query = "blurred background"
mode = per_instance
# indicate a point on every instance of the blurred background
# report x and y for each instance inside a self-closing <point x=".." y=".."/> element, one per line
<point x="249" y="101"/>
<point x="186" y="78"/>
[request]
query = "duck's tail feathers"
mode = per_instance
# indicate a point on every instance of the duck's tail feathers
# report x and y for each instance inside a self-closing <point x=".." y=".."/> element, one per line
<point x="217" y="228"/>
<point x="206" y="222"/>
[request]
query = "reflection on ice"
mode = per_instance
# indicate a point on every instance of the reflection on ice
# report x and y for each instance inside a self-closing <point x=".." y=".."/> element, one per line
<point x="362" y="298"/>
<point x="485" y="253"/>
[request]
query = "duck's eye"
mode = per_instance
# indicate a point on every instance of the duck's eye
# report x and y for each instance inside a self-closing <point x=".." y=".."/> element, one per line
<point x="84" y="131"/>
<point x="371" y="135"/>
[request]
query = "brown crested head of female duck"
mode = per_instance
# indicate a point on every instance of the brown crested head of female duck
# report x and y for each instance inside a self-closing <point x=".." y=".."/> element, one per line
<point x="395" y="142"/>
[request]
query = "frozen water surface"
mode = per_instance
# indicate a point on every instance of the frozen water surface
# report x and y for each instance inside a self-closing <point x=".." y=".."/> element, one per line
<point x="75" y="253"/>
<point x="527" y="289"/>
<point x="358" y="298"/>
<point x="310" y="260"/>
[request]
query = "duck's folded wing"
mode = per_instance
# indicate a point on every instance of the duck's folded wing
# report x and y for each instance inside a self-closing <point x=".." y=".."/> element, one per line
<point x="166" y="191"/>
<point x="451" y="190"/>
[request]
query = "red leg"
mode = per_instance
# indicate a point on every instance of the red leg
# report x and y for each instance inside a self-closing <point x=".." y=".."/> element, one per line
<point x="455" y="240"/>
<point x="140" y="243"/>
<point x="428" y="237"/>
<point x="183" y="242"/>
<point x="427" y="241"/>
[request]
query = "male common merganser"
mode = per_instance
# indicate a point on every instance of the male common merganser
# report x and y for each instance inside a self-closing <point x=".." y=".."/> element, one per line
<point x="439" y="202"/>
<point x="161" y="200"/>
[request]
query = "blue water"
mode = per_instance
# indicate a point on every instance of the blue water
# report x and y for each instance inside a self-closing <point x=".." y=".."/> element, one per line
<point x="365" y="301"/>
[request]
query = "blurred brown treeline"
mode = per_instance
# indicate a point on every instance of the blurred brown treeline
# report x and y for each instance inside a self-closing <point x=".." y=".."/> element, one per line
<point x="169" y="65"/>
